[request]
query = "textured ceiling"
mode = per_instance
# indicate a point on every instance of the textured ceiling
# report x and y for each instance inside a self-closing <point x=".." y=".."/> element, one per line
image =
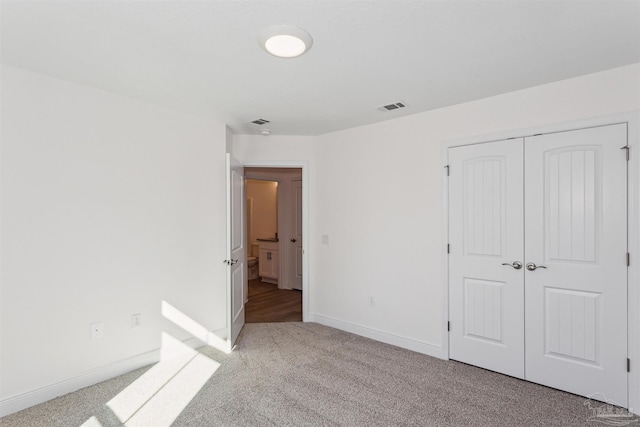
<point x="203" y="56"/>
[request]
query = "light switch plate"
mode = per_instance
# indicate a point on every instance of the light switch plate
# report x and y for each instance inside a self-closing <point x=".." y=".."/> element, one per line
<point x="136" y="320"/>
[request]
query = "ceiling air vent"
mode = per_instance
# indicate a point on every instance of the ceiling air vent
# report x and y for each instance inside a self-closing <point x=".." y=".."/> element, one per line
<point x="391" y="107"/>
<point x="260" y="121"/>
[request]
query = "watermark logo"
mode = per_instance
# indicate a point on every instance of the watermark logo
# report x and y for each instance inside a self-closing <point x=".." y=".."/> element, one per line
<point x="608" y="412"/>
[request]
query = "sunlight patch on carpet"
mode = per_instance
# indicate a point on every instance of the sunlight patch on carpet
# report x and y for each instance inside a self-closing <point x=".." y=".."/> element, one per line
<point x="161" y="394"/>
<point x="91" y="422"/>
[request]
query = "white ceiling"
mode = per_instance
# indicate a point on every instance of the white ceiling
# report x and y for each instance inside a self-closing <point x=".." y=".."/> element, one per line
<point x="203" y="56"/>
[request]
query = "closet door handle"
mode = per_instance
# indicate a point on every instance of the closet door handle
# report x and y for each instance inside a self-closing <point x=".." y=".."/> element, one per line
<point x="517" y="265"/>
<point x="531" y="266"/>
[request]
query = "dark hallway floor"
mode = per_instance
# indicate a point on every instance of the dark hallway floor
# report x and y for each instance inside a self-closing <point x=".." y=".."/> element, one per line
<point x="268" y="304"/>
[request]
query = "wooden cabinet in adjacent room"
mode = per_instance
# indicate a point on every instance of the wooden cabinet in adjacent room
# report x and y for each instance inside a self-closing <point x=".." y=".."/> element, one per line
<point x="269" y="262"/>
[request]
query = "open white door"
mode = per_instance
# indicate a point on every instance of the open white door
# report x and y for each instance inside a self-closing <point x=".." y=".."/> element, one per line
<point x="236" y="254"/>
<point x="296" y="240"/>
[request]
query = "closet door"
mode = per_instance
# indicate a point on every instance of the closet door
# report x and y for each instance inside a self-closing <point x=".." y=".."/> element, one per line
<point x="486" y="239"/>
<point x="576" y="236"/>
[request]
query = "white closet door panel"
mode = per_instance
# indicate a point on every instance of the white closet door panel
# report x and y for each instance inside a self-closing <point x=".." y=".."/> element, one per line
<point x="486" y="298"/>
<point x="575" y="225"/>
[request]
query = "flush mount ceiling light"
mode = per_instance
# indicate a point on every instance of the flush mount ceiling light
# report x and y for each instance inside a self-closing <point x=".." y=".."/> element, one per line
<point x="285" y="41"/>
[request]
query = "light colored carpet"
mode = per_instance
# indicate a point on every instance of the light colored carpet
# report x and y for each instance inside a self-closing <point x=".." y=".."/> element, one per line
<point x="305" y="374"/>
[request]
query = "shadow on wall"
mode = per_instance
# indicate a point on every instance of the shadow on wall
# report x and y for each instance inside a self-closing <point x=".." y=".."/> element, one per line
<point x="160" y="395"/>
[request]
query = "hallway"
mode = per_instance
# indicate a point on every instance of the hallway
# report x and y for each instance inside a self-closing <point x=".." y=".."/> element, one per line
<point x="269" y="304"/>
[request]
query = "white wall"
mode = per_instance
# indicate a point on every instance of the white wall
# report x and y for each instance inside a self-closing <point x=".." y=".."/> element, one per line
<point x="378" y="196"/>
<point x="109" y="207"/>
<point x="265" y="209"/>
<point x="386" y="182"/>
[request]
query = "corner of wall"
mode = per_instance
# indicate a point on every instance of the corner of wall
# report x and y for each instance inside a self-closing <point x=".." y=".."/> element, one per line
<point x="228" y="139"/>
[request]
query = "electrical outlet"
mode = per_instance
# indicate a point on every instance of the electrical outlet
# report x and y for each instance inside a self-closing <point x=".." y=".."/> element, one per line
<point x="372" y="301"/>
<point x="97" y="330"/>
<point x="136" y="320"/>
<point x="325" y="239"/>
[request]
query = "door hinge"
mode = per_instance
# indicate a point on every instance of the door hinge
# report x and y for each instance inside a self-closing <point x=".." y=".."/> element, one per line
<point x="447" y="168"/>
<point x="628" y="259"/>
<point x="626" y="147"/>
<point x="448" y="326"/>
<point x="628" y="365"/>
<point x="448" y="248"/>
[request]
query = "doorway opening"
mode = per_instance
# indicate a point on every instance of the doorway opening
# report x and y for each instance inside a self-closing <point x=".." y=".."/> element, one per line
<point x="274" y="244"/>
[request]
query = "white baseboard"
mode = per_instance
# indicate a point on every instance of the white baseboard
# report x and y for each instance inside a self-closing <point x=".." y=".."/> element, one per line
<point x="103" y="373"/>
<point x="94" y="376"/>
<point x="374" y="334"/>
